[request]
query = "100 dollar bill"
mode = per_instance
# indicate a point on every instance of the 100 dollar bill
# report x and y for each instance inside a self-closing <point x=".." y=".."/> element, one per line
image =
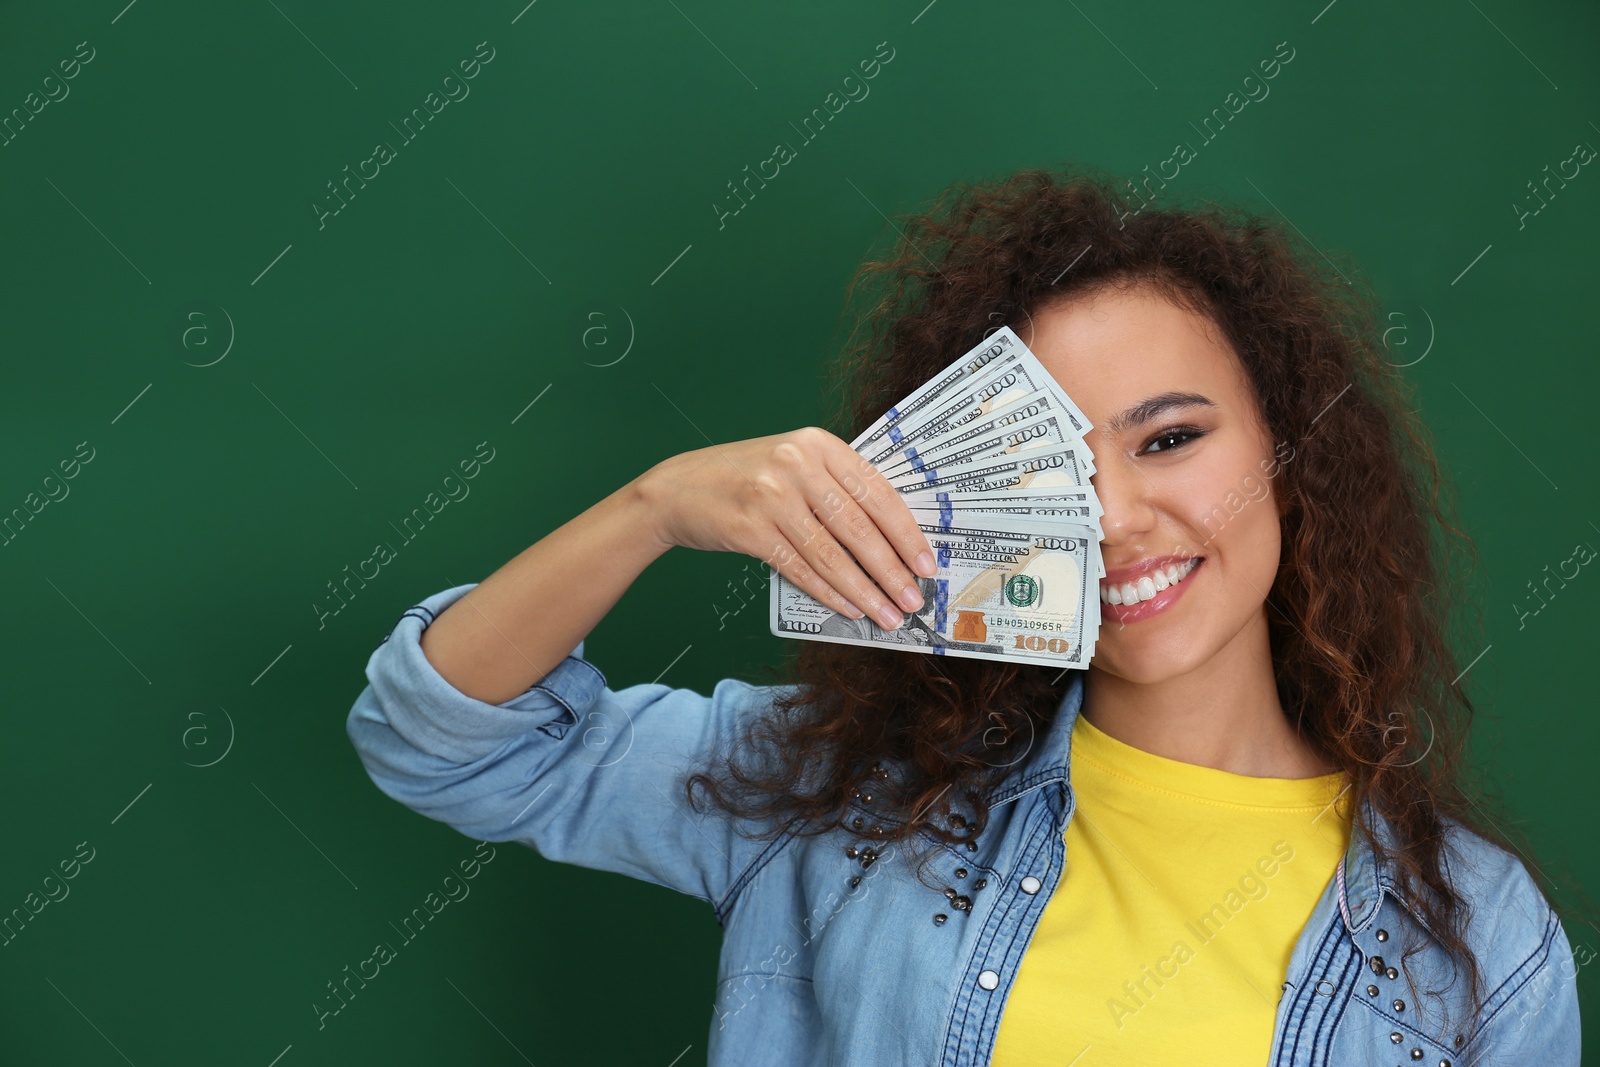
<point x="1030" y="426"/>
<point x="948" y="510"/>
<point x="1052" y="466"/>
<point x="1004" y="380"/>
<point x="1002" y="591"/>
<point x="887" y="431"/>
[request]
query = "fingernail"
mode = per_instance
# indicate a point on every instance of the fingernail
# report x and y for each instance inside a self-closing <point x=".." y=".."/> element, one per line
<point x="925" y="566"/>
<point x="911" y="597"/>
<point x="890" y="618"/>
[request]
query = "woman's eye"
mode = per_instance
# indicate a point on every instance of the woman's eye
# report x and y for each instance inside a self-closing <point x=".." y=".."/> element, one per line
<point x="1167" y="440"/>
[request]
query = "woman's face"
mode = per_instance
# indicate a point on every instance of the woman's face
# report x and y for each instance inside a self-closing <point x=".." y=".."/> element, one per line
<point x="1181" y="477"/>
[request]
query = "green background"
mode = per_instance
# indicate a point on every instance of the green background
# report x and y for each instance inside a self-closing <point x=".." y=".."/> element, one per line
<point x="161" y="615"/>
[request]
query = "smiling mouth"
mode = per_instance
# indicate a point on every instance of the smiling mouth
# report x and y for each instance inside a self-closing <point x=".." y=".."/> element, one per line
<point x="1147" y="585"/>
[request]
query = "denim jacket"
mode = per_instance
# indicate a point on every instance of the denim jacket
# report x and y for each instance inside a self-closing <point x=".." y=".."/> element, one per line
<point x="834" y="953"/>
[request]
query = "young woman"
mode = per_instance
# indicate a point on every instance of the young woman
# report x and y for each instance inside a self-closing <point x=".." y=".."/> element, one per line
<point x="1237" y="837"/>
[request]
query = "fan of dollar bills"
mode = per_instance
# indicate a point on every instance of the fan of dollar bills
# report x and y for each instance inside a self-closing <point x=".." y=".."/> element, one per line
<point x="989" y="456"/>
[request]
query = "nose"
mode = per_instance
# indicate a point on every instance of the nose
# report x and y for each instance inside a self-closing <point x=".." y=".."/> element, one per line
<point x="1126" y="495"/>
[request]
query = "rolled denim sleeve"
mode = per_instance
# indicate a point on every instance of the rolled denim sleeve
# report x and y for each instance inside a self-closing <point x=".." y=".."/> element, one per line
<point x="581" y="773"/>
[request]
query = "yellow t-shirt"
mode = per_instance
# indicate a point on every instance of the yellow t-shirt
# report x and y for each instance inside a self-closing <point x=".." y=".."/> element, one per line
<point x="1169" y="936"/>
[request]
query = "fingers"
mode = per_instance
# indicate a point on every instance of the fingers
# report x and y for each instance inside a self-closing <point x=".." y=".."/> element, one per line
<point x="872" y="495"/>
<point x="823" y="553"/>
<point x="856" y="546"/>
<point x="794" y="565"/>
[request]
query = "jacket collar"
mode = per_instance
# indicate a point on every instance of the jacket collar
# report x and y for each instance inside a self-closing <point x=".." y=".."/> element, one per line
<point x="1361" y="879"/>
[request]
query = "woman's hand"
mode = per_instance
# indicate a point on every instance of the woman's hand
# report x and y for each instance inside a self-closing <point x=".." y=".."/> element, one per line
<point x="804" y="502"/>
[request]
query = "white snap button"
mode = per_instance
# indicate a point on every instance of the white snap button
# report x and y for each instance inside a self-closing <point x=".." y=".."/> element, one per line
<point x="1031" y="885"/>
<point x="988" y="979"/>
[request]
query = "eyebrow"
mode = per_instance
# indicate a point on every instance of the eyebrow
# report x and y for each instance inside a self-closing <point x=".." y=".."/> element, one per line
<point x="1146" y="410"/>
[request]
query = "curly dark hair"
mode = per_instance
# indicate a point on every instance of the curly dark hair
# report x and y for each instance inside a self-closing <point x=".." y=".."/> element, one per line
<point x="1358" y="621"/>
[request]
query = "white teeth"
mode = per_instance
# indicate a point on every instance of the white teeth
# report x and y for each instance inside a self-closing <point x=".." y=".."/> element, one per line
<point x="1147" y="585"/>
